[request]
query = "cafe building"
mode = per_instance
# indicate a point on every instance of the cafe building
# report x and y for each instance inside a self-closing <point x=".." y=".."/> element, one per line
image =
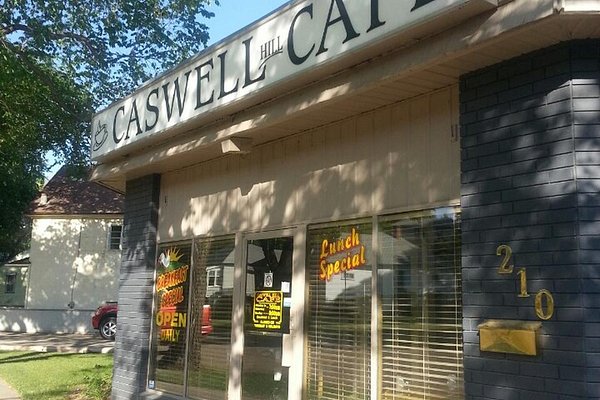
<point x="365" y="199"/>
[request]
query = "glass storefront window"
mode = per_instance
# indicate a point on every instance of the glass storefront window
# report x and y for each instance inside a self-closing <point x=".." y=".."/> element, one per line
<point x="417" y="329"/>
<point x="420" y="291"/>
<point x="210" y="322"/>
<point x="195" y="311"/>
<point x="170" y="318"/>
<point x="267" y="317"/>
<point x="339" y="311"/>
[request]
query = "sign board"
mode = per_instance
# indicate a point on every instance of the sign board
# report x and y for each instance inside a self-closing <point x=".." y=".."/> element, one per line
<point x="340" y="255"/>
<point x="171" y="291"/>
<point x="267" y="312"/>
<point x="301" y="37"/>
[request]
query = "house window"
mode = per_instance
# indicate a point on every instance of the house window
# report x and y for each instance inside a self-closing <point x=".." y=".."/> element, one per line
<point x="10" y="282"/>
<point x="213" y="278"/>
<point x="114" y="240"/>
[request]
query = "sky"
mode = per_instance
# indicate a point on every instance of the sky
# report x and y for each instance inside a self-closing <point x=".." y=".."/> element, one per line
<point x="230" y="16"/>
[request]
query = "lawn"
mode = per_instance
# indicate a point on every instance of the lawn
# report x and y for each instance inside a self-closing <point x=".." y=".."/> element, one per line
<point x="57" y="376"/>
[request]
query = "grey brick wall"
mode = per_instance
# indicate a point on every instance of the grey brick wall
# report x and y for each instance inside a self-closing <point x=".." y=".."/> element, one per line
<point x="586" y="132"/>
<point x="530" y="179"/>
<point x="135" y="287"/>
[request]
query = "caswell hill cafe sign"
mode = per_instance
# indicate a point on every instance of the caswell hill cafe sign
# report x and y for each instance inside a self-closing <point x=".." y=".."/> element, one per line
<point x="303" y="36"/>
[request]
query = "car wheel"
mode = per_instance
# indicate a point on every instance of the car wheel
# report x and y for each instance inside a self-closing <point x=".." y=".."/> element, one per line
<point x="108" y="328"/>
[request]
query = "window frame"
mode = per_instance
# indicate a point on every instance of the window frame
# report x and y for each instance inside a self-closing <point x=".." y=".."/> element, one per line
<point x="214" y="273"/>
<point x="112" y="239"/>
<point x="13" y="283"/>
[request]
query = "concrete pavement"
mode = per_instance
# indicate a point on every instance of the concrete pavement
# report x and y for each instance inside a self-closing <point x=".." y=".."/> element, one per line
<point x="55" y="343"/>
<point x="7" y="393"/>
<point x="49" y="343"/>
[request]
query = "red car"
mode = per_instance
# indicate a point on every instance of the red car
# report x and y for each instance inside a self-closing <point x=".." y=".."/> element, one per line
<point x="105" y="320"/>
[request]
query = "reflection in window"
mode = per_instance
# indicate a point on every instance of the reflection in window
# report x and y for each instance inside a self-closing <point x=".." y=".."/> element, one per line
<point x="268" y="277"/>
<point x="213" y="277"/>
<point x="339" y="315"/>
<point x="420" y="291"/>
<point x="210" y="321"/>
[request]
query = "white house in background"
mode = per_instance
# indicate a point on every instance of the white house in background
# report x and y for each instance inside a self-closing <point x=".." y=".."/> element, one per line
<point x="74" y="259"/>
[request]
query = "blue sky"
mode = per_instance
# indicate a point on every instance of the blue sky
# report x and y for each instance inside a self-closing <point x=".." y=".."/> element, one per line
<point x="233" y="15"/>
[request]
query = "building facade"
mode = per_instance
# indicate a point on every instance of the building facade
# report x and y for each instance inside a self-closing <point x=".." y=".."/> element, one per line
<point x="74" y="259"/>
<point x="365" y="200"/>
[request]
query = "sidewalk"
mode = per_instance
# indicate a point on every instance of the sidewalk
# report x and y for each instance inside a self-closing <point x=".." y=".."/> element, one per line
<point x="49" y="343"/>
<point x="59" y="343"/>
<point x="7" y="393"/>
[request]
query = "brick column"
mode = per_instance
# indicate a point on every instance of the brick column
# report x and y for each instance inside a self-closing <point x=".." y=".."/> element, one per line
<point x="530" y="179"/>
<point x="135" y="287"/>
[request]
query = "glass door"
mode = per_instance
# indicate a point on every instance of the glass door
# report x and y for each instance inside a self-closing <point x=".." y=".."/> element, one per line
<point x="267" y="308"/>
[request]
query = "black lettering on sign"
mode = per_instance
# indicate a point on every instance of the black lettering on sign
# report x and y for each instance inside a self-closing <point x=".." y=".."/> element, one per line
<point x="421" y="3"/>
<point x="176" y="93"/>
<point x="375" y="21"/>
<point x="248" y="79"/>
<point x="294" y="57"/>
<point x="134" y="117"/>
<point x="206" y="77"/>
<point x="152" y="108"/>
<point x="116" y="137"/>
<point x="225" y="92"/>
<point x="344" y="18"/>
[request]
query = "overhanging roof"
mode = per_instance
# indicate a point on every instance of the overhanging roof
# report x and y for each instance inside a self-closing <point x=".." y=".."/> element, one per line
<point x="417" y="67"/>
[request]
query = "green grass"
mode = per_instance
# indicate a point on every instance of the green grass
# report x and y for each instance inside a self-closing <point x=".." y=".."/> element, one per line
<point x="57" y="376"/>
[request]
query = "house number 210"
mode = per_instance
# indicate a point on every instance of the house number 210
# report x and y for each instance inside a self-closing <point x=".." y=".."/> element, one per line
<point x="542" y="296"/>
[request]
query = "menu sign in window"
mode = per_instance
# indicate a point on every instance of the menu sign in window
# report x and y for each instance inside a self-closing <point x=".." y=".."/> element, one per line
<point x="170" y="319"/>
<point x="267" y="312"/>
<point x="171" y="291"/>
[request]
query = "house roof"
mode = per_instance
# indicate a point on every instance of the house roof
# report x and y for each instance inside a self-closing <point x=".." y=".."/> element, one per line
<point x="67" y="194"/>
<point x="18" y="260"/>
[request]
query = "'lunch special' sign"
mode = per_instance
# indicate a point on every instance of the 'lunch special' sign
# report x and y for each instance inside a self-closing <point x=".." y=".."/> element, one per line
<point x="341" y="255"/>
<point x="301" y="37"/>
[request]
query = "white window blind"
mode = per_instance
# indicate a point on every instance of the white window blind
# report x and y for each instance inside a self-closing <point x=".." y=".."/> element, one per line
<point x="420" y="312"/>
<point x="339" y="314"/>
<point x="210" y="318"/>
<point x="420" y="291"/>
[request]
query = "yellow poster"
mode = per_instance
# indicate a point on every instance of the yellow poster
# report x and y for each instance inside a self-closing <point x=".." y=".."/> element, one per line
<point x="267" y="312"/>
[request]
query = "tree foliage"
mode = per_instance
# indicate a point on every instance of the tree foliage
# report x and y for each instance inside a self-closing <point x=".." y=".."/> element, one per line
<point x="37" y="115"/>
<point x="108" y="46"/>
<point x="59" y="60"/>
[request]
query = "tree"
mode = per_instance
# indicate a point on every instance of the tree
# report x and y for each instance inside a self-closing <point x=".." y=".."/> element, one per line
<point x="36" y="115"/>
<point x="108" y="46"/>
<point x="59" y="60"/>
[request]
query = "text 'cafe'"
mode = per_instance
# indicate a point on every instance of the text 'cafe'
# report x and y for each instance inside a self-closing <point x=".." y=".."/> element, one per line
<point x="365" y="199"/>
